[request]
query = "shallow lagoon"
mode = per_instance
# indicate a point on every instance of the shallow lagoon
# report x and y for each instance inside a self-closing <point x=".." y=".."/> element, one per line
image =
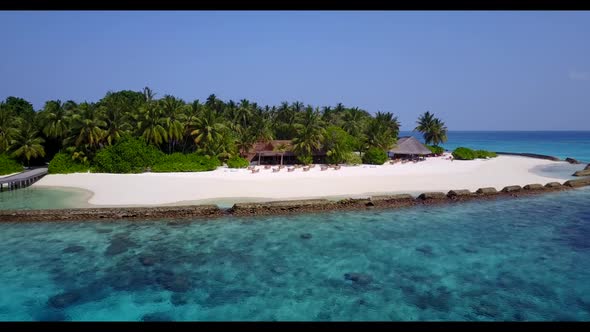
<point x="514" y="259"/>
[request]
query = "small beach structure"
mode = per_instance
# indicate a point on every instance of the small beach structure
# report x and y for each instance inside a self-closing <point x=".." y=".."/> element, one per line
<point x="408" y="147"/>
<point x="266" y="153"/>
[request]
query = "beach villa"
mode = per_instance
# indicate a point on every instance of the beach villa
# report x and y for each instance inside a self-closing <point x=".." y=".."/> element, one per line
<point x="267" y="153"/>
<point x="407" y="147"/>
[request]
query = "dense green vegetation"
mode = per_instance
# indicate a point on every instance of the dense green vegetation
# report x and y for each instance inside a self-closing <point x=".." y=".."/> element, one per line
<point x="91" y="132"/>
<point x="237" y="162"/>
<point x="463" y="153"/>
<point x="338" y="144"/>
<point x="64" y="163"/>
<point x="436" y="149"/>
<point x="352" y="158"/>
<point x="485" y="154"/>
<point x="375" y="156"/>
<point x="9" y="165"/>
<point x="190" y="162"/>
<point x="129" y="155"/>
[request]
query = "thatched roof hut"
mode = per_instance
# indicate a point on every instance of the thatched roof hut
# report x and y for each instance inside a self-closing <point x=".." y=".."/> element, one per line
<point x="409" y="145"/>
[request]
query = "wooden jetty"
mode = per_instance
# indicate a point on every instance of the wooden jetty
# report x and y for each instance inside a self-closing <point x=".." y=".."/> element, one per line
<point x="22" y="180"/>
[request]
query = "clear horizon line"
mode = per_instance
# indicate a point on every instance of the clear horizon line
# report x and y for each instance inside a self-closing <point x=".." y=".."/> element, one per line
<point x="492" y="130"/>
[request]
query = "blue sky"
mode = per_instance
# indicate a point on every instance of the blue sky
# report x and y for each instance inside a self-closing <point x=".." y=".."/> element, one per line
<point x="476" y="70"/>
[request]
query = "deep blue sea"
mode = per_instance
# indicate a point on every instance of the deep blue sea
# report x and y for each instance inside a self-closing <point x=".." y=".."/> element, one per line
<point x="523" y="259"/>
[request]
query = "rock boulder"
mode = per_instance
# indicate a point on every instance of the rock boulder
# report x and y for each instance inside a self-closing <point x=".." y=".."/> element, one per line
<point x="553" y="185"/>
<point x="511" y="189"/>
<point x="585" y="172"/>
<point x="432" y="195"/>
<point x="487" y="191"/>
<point x="577" y="183"/>
<point x="459" y="193"/>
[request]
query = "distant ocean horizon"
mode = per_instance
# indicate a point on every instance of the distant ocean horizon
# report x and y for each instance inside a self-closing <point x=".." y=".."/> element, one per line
<point x="561" y="144"/>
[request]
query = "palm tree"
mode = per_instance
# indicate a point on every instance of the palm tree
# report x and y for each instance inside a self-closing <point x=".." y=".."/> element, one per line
<point x="193" y="111"/>
<point x="86" y="128"/>
<point x="8" y="127"/>
<point x="209" y="129"/>
<point x="26" y="143"/>
<point x="437" y="133"/>
<point x="424" y="123"/>
<point x="282" y="148"/>
<point x="173" y="114"/>
<point x="55" y="119"/>
<point x="309" y="134"/>
<point x="382" y="131"/>
<point x="243" y="113"/>
<point x="353" y="121"/>
<point x="433" y="129"/>
<point x="148" y="95"/>
<point x="214" y="103"/>
<point x="151" y="124"/>
<point x="262" y="125"/>
<point x="244" y="140"/>
<point x="116" y="121"/>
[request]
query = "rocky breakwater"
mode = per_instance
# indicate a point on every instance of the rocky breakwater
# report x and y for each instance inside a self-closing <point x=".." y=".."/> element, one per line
<point x="280" y="207"/>
<point x="286" y="207"/>
<point x="578" y="183"/>
<point x="138" y="213"/>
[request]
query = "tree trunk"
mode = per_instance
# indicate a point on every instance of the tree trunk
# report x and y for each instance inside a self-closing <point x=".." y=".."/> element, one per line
<point x="281" y="159"/>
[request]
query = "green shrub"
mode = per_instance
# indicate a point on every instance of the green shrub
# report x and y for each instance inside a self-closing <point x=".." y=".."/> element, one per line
<point x="468" y="154"/>
<point x="462" y="153"/>
<point x="237" y="162"/>
<point x="436" y="149"/>
<point x="352" y="158"/>
<point x="375" y="156"/>
<point x="485" y="154"/>
<point x="305" y="159"/>
<point x="178" y="162"/>
<point x="63" y="163"/>
<point x="129" y="155"/>
<point x="9" y="165"/>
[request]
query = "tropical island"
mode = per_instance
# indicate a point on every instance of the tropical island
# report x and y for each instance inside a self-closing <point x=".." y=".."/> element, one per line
<point x="130" y="148"/>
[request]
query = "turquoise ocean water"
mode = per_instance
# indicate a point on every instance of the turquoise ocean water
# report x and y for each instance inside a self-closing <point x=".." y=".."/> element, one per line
<point x="561" y="144"/>
<point x="511" y="259"/>
<point x="521" y="259"/>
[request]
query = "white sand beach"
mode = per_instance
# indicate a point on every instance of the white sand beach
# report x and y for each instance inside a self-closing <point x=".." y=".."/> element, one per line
<point x="434" y="174"/>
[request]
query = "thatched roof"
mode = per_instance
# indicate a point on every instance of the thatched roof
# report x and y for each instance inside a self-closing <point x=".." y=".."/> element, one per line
<point x="410" y="145"/>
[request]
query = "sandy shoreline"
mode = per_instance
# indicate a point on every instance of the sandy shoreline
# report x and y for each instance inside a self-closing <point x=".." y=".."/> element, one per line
<point x="229" y="186"/>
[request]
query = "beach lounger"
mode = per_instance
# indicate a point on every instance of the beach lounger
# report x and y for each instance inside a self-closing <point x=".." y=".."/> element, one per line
<point x="267" y="166"/>
<point x="323" y="168"/>
<point x="305" y="169"/>
<point x="255" y="171"/>
<point x="274" y="170"/>
<point x="337" y="167"/>
<point x="291" y="169"/>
